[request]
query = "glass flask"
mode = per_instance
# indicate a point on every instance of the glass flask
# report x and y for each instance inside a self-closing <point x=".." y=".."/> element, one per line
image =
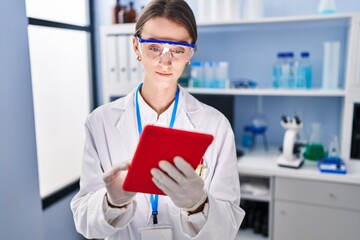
<point x="314" y="150"/>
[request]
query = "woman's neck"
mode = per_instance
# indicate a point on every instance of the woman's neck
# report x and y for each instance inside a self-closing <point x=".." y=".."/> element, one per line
<point x="158" y="99"/>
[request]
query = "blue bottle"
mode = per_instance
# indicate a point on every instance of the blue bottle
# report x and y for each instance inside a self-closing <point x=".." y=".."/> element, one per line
<point x="277" y="70"/>
<point x="196" y="75"/>
<point x="292" y="70"/>
<point x="285" y="71"/>
<point x="304" y="71"/>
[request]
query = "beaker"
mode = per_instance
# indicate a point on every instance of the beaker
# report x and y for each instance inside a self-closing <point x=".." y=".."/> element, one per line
<point x="314" y="150"/>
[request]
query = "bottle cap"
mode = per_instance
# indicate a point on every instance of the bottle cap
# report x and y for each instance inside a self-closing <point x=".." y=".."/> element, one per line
<point x="305" y="54"/>
<point x="196" y="64"/>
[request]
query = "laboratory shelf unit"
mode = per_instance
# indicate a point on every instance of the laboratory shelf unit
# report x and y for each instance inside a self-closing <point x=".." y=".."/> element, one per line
<point x="250" y="48"/>
<point x="270" y="92"/>
<point x="271" y="20"/>
<point x="256" y="200"/>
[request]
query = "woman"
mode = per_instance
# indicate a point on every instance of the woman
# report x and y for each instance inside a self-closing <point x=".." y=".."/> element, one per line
<point x="195" y="207"/>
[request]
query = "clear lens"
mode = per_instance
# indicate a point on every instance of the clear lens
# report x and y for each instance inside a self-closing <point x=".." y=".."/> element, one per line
<point x="177" y="52"/>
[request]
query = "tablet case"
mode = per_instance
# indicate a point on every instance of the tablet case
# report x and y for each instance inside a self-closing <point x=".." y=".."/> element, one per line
<point x="160" y="143"/>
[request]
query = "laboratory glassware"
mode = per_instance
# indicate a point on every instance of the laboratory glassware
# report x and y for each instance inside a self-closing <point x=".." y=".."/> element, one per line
<point x="314" y="150"/>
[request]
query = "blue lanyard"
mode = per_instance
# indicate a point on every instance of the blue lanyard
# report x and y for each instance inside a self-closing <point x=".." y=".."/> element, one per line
<point x="154" y="198"/>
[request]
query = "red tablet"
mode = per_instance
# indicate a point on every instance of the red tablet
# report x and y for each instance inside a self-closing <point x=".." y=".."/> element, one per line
<point x="159" y="143"/>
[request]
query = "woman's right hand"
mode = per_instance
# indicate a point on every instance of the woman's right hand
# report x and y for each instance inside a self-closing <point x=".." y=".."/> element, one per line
<point x="114" y="180"/>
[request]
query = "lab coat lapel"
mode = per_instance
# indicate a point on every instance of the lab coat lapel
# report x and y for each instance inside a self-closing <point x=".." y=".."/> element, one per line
<point x="126" y="124"/>
<point x="187" y="111"/>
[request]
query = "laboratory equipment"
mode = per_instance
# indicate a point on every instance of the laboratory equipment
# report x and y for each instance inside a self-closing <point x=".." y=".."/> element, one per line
<point x="314" y="150"/>
<point x="287" y="79"/>
<point x="243" y="83"/>
<point x="331" y="65"/>
<point x="221" y="75"/>
<point x="304" y="71"/>
<point x="253" y="9"/>
<point x="332" y="163"/>
<point x="210" y="74"/>
<point x="196" y="75"/>
<point x="116" y="13"/>
<point x="277" y="69"/>
<point x="292" y="71"/>
<point x="214" y="10"/>
<point x="257" y="127"/>
<point x="327" y="7"/>
<point x="291" y="155"/>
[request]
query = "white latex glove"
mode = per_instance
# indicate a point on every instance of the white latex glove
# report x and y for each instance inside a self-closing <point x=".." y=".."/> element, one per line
<point x="182" y="185"/>
<point x="114" y="181"/>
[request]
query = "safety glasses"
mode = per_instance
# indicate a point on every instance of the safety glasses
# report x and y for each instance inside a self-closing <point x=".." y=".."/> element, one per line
<point x="155" y="49"/>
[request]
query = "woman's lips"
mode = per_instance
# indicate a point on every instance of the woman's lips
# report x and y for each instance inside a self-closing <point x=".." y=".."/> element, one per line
<point x="164" y="74"/>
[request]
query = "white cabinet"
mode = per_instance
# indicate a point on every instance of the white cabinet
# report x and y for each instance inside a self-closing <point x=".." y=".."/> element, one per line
<point x="256" y="199"/>
<point x="306" y="204"/>
<point x="305" y="209"/>
<point x="298" y="221"/>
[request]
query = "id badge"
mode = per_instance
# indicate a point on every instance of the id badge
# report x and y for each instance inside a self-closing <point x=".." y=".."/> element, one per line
<point x="158" y="233"/>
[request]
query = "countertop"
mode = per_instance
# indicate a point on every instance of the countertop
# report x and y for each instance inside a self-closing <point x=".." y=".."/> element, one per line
<point x="263" y="163"/>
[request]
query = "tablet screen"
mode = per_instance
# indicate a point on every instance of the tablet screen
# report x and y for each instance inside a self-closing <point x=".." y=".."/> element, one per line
<point x="160" y="143"/>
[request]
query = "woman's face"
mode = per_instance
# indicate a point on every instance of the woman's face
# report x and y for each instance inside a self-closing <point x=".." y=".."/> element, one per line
<point x="164" y="73"/>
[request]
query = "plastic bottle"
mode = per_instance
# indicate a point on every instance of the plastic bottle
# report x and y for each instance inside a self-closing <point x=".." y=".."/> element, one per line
<point x="221" y="74"/>
<point x="209" y="74"/>
<point x="277" y="70"/>
<point x="197" y="74"/>
<point x="292" y="69"/>
<point x="304" y="73"/>
<point x="327" y="7"/>
<point x="285" y="71"/>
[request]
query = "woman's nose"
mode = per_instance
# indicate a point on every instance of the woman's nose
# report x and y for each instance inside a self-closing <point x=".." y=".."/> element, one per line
<point x="166" y="57"/>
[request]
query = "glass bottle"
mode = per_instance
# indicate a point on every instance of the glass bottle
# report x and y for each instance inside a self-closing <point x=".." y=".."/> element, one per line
<point x="277" y="70"/>
<point x="115" y="13"/>
<point x="314" y="150"/>
<point x="304" y="74"/>
<point x="130" y="15"/>
<point x="327" y="7"/>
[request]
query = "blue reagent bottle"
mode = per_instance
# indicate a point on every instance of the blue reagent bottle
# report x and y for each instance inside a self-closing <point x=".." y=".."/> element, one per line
<point x="304" y="71"/>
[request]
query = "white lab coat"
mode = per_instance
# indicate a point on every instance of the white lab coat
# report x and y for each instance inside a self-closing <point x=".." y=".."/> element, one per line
<point x="112" y="136"/>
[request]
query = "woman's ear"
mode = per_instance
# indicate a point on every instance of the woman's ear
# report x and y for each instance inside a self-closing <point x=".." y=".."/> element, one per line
<point x="136" y="47"/>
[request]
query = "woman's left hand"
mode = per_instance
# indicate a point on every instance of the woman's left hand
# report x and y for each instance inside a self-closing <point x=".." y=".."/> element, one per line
<point x="181" y="183"/>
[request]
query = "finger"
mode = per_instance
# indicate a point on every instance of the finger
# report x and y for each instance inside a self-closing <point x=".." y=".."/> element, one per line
<point x="164" y="180"/>
<point x="172" y="171"/>
<point x="121" y="166"/>
<point x="184" y="167"/>
<point x="162" y="187"/>
<point x="115" y="172"/>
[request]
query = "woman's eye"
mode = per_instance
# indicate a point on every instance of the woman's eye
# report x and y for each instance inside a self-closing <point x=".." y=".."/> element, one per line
<point x="178" y="51"/>
<point x="154" y="49"/>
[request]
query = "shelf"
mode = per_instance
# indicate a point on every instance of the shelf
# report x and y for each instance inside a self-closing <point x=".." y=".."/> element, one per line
<point x="248" y="234"/>
<point x="261" y="163"/>
<point x="265" y="198"/>
<point x="285" y="19"/>
<point x="129" y="28"/>
<point x="270" y="92"/>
